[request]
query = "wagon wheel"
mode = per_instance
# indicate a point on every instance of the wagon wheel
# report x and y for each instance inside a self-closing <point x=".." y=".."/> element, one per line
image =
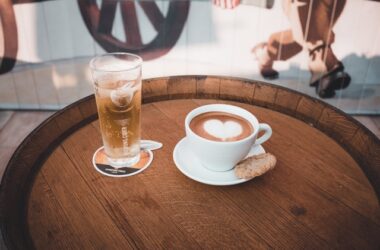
<point x="9" y="36"/>
<point x="99" y="22"/>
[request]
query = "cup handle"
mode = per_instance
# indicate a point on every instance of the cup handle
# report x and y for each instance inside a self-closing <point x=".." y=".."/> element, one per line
<point x="268" y="133"/>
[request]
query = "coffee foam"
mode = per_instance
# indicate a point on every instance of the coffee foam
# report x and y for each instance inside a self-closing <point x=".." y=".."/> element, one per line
<point x="222" y="130"/>
<point x="221" y="126"/>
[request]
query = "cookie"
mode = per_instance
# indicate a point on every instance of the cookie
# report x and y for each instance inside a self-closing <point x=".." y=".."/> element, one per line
<point x="255" y="166"/>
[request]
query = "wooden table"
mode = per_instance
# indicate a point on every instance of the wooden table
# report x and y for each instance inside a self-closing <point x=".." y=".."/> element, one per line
<point x="323" y="192"/>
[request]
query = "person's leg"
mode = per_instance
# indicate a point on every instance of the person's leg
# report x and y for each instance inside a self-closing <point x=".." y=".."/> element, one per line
<point x="320" y="37"/>
<point x="280" y="46"/>
<point x="335" y="10"/>
<point x="285" y="42"/>
<point x="327" y="71"/>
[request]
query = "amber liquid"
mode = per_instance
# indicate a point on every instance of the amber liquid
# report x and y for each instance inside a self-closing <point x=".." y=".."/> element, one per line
<point x="119" y="109"/>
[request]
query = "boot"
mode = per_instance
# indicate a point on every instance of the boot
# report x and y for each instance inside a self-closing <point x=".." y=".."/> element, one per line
<point x="336" y="69"/>
<point x="327" y="85"/>
<point x="260" y="52"/>
<point x="327" y="72"/>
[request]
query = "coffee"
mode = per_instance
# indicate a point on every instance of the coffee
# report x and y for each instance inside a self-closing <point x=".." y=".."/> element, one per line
<point x="221" y="126"/>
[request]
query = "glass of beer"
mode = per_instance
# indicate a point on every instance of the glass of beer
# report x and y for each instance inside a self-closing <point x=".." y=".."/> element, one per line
<point x="117" y="84"/>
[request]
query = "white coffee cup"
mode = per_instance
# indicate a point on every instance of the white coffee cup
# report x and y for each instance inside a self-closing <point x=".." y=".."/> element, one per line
<point x="220" y="155"/>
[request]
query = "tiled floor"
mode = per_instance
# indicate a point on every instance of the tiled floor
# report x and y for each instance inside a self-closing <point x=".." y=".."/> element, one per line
<point x="16" y="125"/>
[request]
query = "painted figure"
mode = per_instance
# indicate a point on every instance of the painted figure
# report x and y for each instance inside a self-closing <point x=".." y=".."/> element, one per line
<point x="311" y="28"/>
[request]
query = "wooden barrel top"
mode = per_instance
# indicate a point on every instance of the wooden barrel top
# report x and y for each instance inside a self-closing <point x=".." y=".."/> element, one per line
<point x="323" y="192"/>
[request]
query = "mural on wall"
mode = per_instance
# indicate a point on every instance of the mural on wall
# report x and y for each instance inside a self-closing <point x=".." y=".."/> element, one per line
<point x="320" y="48"/>
<point x="9" y="36"/>
<point x="99" y="20"/>
<point x="311" y="28"/>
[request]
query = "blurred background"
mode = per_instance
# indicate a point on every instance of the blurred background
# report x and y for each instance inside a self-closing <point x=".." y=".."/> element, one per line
<point x="45" y="46"/>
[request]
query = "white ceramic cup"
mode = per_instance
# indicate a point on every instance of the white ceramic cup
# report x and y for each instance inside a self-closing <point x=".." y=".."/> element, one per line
<point x="223" y="156"/>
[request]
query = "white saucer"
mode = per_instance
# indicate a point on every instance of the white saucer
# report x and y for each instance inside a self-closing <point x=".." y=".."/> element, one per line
<point x="190" y="166"/>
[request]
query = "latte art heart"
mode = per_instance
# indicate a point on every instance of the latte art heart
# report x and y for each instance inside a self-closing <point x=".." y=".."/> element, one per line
<point x="222" y="130"/>
<point x="221" y="126"/>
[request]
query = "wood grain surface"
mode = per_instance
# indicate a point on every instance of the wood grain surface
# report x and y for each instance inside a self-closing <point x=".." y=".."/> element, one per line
<point x="320" y="194"/>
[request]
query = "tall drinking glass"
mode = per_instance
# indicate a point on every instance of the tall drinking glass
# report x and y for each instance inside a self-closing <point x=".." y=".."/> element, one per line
<point x="117" y="84"/>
